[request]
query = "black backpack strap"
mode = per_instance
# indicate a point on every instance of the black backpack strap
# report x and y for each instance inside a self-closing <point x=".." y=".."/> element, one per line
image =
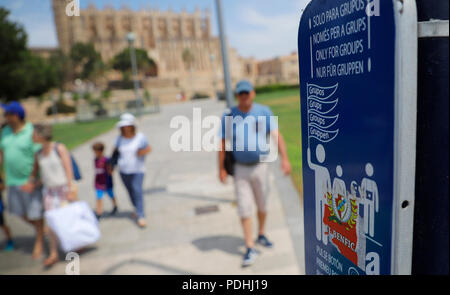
<point x="113" y="160"/>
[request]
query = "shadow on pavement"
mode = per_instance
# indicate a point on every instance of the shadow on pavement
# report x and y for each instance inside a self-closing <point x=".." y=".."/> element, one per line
<point x="155" y="190"/>
<point x="23" y="244"/>
<point x="118" y="215"/>
<point x="163" y="190"/>
<point x="198" y="197"/>
<point x="228" y="244"/>
<point x="168" y="269"/>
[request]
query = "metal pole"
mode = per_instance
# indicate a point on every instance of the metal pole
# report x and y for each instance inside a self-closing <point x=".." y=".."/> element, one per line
<point x="224" y="47"/>
<point x="135" y="73"/>
<point x="213" y="58"/>
<point x="54" y="108"/>
<point x="431" y="226"/>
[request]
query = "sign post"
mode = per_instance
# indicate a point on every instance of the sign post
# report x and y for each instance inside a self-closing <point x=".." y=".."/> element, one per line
<point x="431" y="214"/>
<point x="358" y="84"/>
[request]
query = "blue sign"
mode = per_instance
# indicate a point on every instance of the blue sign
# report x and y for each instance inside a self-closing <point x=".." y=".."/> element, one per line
<point x="347" y="73"/>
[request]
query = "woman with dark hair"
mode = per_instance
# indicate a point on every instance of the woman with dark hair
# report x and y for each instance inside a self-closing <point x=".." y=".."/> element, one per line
<point x="130" y="152"/>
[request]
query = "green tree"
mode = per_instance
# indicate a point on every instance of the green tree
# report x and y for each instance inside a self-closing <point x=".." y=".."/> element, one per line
<point x="87" y="61"/>
<point x="62" y="67"/>
<point x="21" y="73"/>
<point x="122" y="62"/>
<point x="188" y="58"/>
<point x="39" y="75"/>
<point x="13" y="40"/>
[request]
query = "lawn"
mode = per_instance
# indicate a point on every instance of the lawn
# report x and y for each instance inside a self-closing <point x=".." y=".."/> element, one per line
<point x="75" y="134"/>
<point x="286" y="105"/>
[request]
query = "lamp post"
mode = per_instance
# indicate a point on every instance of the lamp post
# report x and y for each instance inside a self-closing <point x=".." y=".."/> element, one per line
<point x="131" y="38"/>
<point x="54" y="107"/>
<point x="431" y="226"/>
<point x="223" y="44"/>
<point x="213" y="59"/>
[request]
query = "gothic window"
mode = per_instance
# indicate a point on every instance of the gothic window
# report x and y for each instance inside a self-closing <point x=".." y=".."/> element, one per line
<point x="162" y="27"/>
<point x="151" y="36"/>
<point x="93" y="28"/>
<point x="204" y="28"/>
<point x="109" y="28"/>
<point x="176" y="25"/>
<point x="83" y="22"/>
<point x="126" y="24"/>
<point x="249" y="69"/>
<point x="146" y="24"/>
<point x="190" y="28"/>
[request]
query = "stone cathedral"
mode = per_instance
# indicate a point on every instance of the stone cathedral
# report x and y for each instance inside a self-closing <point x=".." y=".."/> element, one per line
<point x="166" y="36"/>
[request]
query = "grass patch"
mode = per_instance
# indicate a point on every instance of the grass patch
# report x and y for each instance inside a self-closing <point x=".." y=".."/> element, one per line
<point x="77" y="133"/>
<point x="286" y="105"/>
<point x="275" y="88"/>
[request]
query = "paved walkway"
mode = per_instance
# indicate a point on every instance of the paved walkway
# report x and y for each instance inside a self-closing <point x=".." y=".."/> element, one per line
<point x="177" y="240"/>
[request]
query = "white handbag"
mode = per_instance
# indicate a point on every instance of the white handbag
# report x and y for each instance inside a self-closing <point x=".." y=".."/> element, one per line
<point x="75" y="225"/>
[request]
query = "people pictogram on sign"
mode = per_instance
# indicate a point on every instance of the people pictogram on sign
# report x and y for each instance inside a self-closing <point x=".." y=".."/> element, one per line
<point x="322" y="187"/>
<point x="339" y="186"/>
<point x="369" y="193"/>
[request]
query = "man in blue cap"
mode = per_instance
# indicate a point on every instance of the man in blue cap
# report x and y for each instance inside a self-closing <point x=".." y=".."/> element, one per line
<point x="17" y="152"/>
<point x="246" y="126"/>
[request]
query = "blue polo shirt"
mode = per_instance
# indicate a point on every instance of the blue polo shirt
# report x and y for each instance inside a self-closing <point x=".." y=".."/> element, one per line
<point x="250" y="132"/>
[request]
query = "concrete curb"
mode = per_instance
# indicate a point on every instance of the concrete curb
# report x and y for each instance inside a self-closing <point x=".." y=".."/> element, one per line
<point x="293" y="208"/>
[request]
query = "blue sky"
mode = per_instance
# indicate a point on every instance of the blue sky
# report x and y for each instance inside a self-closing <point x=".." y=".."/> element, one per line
<point x="259" y="28"/>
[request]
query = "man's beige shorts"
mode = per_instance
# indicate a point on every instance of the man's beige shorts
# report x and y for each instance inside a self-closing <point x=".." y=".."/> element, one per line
<point x="251" y="186"/>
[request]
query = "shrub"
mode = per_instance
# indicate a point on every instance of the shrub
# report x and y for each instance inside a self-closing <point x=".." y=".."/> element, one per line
<point x="106" y="94"/>
<point x="62" y="108"/>
<point x="147" y="95"/>
<point x="100" y="110"/>
<point x="87" y="96"/>
<point x="200" y="96"/>
<point x="75" y="96"/>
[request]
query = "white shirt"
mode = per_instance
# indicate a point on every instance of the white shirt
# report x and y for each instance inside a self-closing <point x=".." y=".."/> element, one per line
<point x="129" y="162"/>
<point x="51" y="169"/>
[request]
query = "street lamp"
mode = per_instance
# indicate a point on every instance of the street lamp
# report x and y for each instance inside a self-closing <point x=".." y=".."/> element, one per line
<point x="213" y="59"/>
<point x="224" y="46"/>
<point x="131" y="38"/>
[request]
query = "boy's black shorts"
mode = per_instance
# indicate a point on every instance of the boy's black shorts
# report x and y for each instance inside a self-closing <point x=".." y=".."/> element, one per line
<point x="2" y="220"/>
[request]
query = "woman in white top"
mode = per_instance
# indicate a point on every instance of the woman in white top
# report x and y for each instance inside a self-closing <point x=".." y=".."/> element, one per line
<point x="55" y="170"/>
<point x="132" y="147"/>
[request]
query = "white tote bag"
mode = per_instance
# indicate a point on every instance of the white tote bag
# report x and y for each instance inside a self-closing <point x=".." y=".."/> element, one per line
<point x="75" y="225"/>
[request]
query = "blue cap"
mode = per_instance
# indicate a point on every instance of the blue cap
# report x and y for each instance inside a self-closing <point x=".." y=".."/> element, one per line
<point x="15" y="108"/>
<point x="243" y="86"/>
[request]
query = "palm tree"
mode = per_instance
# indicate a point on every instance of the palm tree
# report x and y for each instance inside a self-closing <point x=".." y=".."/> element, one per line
<point x="188" y="58"/>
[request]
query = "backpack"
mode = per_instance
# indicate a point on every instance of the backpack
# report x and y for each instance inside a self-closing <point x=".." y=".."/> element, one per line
<point x="75" y="167"/>
<point x="229" y="160"/>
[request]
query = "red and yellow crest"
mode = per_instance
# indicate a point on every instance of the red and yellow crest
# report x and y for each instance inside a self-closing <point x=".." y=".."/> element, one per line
<point x="341" y="216"/>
